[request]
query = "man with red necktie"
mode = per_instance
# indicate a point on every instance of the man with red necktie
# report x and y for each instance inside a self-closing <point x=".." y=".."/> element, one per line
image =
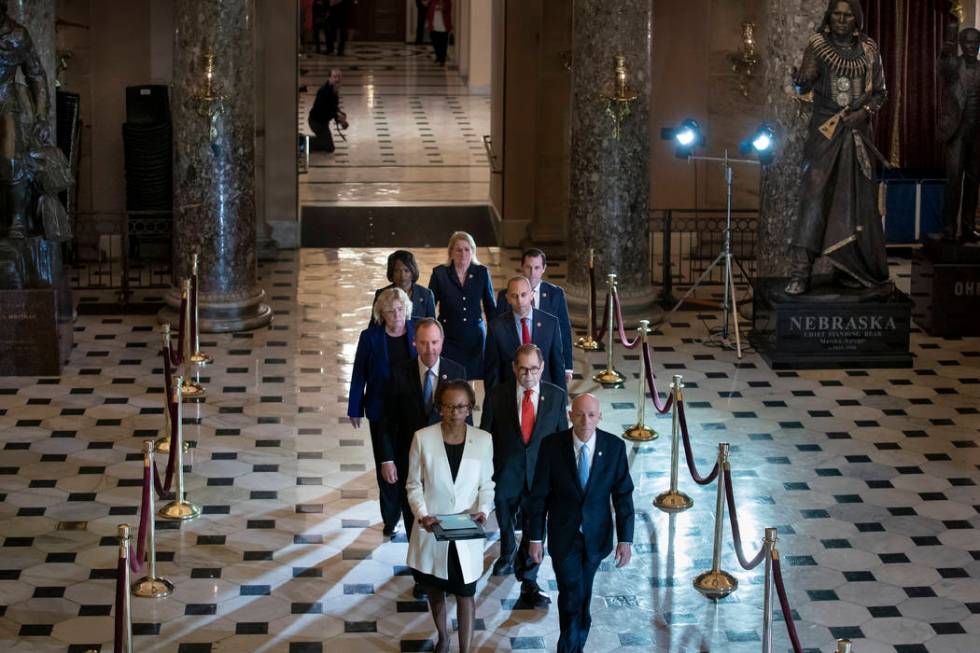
<point x="521" y="325"/>
<point x="519" y="414"/>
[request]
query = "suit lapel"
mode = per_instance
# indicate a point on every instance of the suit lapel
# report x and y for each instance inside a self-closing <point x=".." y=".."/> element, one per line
<point x="544" y="405"/>
<point x="537" y="332"/>
<point x="597" y="460"/>
<point x="569" y="449"/>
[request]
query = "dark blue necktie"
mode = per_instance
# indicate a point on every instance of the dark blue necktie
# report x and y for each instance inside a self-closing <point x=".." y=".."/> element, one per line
<point x="427" y="391"/>
<point x="583" y="466"/>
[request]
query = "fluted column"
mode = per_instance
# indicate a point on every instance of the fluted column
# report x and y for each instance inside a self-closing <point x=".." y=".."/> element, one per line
<point x="609" y="177"/>
<point x="791" y="23"/>
<point x="214" y="160"/>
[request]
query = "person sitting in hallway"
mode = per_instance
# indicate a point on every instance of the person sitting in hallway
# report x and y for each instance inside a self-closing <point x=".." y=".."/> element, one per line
<point x="409" y="405"/>
<point x="460" y="287"/>
<point x="380" y="347"/>
<point x="582" y="477"/>
<point x="520" y="326"/>
<point x="519" y="415"/>
<point x="403" y="272"/>
<point x="547" y="297"/>
<point x="326" y="107"/>
<point x="450" y="471"/>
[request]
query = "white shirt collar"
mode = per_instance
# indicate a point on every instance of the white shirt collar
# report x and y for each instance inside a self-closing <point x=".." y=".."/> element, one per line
<point x="423" y="369"/>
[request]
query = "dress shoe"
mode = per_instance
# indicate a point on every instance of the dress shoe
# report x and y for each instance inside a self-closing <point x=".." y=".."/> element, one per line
<point x="419" y="592"/>
<point x="389" y="531"/>
<point x="532" y="595"/>
<point x="503" y="567"/>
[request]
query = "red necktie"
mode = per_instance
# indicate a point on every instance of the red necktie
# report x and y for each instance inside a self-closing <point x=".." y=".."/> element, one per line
<point x="527" y="416"/>
<point x="525" y="334"/>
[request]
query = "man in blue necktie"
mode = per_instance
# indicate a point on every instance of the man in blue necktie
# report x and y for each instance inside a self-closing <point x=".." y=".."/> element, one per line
<point x="580" y="473"/>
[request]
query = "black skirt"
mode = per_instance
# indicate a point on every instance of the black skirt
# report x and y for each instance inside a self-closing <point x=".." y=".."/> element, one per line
<point x="454" y="584"/>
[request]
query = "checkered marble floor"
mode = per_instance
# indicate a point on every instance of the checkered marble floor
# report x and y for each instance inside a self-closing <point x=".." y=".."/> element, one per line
<point x="416" y="130"/>
<point x="870" y="476"/>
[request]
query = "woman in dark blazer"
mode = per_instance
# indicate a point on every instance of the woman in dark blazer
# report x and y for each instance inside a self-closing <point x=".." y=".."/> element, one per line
<point x="460" y="287"/>
<point x="403" y="272"/>
<point x="381" y="347"/>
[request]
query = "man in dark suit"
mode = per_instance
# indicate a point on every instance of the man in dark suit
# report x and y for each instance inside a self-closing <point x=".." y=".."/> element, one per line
<point x="520" y="414"/>
<point x="408" y="407"/>
<point x="580" y="472"/>
<point x="547" y="297"/>
<point x="520" y="326"/>
<point x="326" y="107"/>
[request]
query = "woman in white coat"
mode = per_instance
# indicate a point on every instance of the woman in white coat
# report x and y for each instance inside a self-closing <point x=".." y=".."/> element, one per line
<point x="450" y="471"/>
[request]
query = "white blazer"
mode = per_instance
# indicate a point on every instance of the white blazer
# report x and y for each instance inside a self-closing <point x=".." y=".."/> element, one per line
<point x="431" y="491"/>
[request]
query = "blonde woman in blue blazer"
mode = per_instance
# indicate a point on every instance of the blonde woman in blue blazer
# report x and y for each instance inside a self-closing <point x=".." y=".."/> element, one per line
<point x="450" y="471"/>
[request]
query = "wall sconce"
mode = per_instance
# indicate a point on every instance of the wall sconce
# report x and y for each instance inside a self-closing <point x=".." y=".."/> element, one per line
<point x="211" y="103"/>
<point x="744" y="62"/>
<point x="619" y="98"/>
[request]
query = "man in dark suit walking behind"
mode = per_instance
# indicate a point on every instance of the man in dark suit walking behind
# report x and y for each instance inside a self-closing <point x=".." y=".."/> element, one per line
<point x="522" y="325"/>
<point x="520" y="414"/>
<point x="580" y="472"/>
<point x="408" y="407"/>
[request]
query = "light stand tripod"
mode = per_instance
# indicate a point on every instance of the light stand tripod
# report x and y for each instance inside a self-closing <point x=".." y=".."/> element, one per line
<point x="729" y="304"/>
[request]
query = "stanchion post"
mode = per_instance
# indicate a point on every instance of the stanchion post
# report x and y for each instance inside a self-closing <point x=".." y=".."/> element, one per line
<point x="180" y="508"/>
<point x="151" y="586"/>
<point x="769" y="597"/>
<point x="609" y="377"/>
<point x="191" y="390"/>
<point x="197" y="357"/>
<point x="673" y="500"/>
<point x="844" y="646"/>
<point x="162" y="444"/>
<point x="588" y="341"/>
<point x="717" y="583"/>
<point x="640" y="432"/>
<point x="126" y="607"/>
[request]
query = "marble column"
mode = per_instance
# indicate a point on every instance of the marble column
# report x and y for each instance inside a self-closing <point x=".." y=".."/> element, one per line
<point x="791" y="23"/>
<point x="610" y="182"/>
<point x="38" y="17"/>
<point x="214" y="161"/>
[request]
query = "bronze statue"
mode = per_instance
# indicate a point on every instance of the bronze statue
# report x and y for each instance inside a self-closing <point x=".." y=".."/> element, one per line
<point x="958" y="121"/>
<point x="838" y="214"/>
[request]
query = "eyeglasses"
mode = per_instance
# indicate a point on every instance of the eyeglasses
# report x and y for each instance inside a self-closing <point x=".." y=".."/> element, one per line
<point x="529" y="370"/>
<point x="455" y="408"/>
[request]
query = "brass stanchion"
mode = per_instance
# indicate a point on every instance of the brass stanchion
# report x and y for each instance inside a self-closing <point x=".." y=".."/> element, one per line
<point x="717" y="583"/>
<point x="609" y="377"/>
<point x="162" y="444"/>
<point x="191" y="390"/>
<point x="198" y="357"/>
<point x="767" y="604"/>
<point x="640" y="432"/>
<point x="844" y="646"/>
<point x="588" y="342"/>
<point x="151" y="586"/>
<point x="126" y="608"/>
<point x="672" y="500"/>
<point x="180" y="508"/>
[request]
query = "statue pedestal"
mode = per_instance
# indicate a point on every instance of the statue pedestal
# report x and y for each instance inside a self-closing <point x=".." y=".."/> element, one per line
<point x="35" y="330"/>
<point x="831" y="327"/>
<point x="946" y="289"/>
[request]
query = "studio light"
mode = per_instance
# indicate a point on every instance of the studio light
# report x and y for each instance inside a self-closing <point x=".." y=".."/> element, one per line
<point x="762" y="143"/>
<point x="686" y="137"/>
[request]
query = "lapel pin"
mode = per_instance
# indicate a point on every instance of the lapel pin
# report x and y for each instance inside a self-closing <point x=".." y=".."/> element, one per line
<point x="600" y="453"/>
<point x="544" y="294"/>
<point x="537" y="325"/>
<point x="443" y="377"/>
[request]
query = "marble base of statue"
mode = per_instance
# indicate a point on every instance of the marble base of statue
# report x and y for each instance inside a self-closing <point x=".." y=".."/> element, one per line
<point x="35" y="330"/>
<point x="831" y="327"/>
<point x="946" y="288"/>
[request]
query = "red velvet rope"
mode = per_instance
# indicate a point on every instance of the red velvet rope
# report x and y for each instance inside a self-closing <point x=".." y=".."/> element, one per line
<point x="178" y="357"/>
<point x="689" y="455"/>
<point x="662" y="407"/>
<point x="592" y="301"/>
<point x="121" y="590"/>
<point x="600" y="333"/>
<point x="138" y="555"/>
<point x="747" y="564"/>
<point x="794" y="637"/>
<point x="619" y="323"/>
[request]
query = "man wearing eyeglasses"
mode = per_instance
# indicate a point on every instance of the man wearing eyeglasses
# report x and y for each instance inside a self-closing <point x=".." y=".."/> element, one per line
<point x="519" y="414"/>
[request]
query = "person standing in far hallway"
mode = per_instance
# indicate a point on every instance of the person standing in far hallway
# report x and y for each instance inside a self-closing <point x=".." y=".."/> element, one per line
<point x="460" y="287"/>
<point x="547" y="297"/>
<point x="582" y="478"/>
<point x="337" y="26"/>
<point x="439" y="22"/>
<point x="421" y="13"/>
<point x="519" y="415"/>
